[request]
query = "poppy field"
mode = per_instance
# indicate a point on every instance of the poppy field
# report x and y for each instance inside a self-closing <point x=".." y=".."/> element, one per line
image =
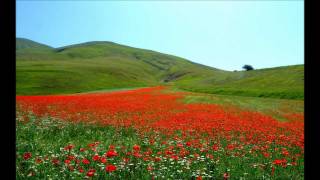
<point x="151" y="133"/>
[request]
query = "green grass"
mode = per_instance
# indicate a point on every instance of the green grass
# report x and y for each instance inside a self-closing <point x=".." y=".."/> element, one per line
<point x="277" y="108"/>
<point x="281" y="82"/>
<point x="98" y="65"/>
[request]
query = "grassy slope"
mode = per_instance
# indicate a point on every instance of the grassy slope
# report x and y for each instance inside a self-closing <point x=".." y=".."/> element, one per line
<point x="277" y="108"/>
<point x="282" y="82"/>
<point x="99" y="65"/>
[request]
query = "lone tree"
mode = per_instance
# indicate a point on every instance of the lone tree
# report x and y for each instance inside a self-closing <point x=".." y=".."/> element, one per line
<point x="247" y="67"/>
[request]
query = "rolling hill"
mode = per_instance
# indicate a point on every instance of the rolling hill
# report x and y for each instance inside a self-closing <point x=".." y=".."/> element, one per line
<point x="100" y="65"/>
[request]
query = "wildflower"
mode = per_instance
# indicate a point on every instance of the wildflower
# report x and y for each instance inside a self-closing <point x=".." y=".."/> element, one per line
<point x="27" y="155"/>
<point x="174" y="157"/>
<point x="265" y="154"/>
<point x="96" y="157"/>
<point x="71" y="157"/>
<point x="136" y="148"/>
<point x="282" y="162"/>
<point x="103" y="159"/>
<point x="111" y="153"/>
<point x="226" y="176"/>
<point x="272" y="171"/>
<point x="91" y="172"/>
<point x="91" y="145"/>
<point x="71" y="168"/>
<point x="67" y="161"/>
<point x="111" y="147"/>
<point x="137" y="154"/>
<point x="55" y="162"/>
<point x="157" y="159"/>
<point x="38" y="160"/>
<point x="125" y="160"/>
<point x="149" y="168"/>
<point x="68" y="147"/>
<point x="277" y="161"/>
<point x="285" y="153"/>
<point x="85" y="161"/>
<point x="215" y="147"/>
<point x="111" y="168"/>
<point x="188" y="144"/>
<point x="230" y="147"/>
<point x="80" y="170"/>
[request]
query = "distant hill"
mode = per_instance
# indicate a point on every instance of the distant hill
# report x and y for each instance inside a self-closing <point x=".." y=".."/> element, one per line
<point x="41" y="69"/>
<point x="22" y="43"/>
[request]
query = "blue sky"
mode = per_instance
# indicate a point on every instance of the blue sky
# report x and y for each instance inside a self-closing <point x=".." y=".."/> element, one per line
<point x="221" y="34"/>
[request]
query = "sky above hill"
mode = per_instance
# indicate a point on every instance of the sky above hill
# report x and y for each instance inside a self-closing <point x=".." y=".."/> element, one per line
<point x="221" y="34"/>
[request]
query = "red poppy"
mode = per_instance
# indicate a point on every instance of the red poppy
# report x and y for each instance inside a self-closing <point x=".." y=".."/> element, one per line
<point x="126" y="160"/>
<point x="71" y="168"/>
<point x="69" y="147"/>
<point x="67" y="161"/>
<point x="111" y="153"/>
<point x="55" y="161"/>
<point x="149" y="168"/>
<point x="174" y="157"/>
<point x="103" y="159"/>
<point x="157" y="159"/>
<point x="91" y="172"/>
<point x="96" y="157"/>
<point x="38" y="160"/>
<point x="111" y="147"/>
<point x="226" y="176"/>
<point x="272" y="171"/>
<point x="136" y="148"/>
<point x="71" y="157"/>
<point x="265" y="154"/>
<point x="85" y="161"/>
<point x="81" y="170"/>
<point x="215" y="147"/>
<point x="111" y="168"/>
<point x="27" y="155"/>
<point x="137" y="154"/>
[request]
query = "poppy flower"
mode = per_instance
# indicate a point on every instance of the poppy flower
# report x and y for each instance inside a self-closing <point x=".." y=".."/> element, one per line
<point x="188" y="144"/>
<point x="111" y="168"/>
<point x="85" y="161"/>
<point x="215" y="147"/>
<point x="103" y="159"/>
<point x="226" y="176"/>
<point x="149" y="168"/>
<point x="69" y="147"/>
<point x="91" y="172"/>
<point x="111" y="153"/>
<point x="157" y="159"/>
<point x="136" y="148"/>
<point x="80" y="170"/>
<point x="67" y="161"/>
<point x="111" y="147"/>
<point x="55" y="161"/>
<point x="96" y="157"/>
<point x="38" y="160"/>
<point x="27" y="155"/>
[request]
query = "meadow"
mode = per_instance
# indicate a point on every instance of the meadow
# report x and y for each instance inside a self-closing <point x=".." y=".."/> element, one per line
<point x="158" y="133"/>
<point x="102" y="65"/>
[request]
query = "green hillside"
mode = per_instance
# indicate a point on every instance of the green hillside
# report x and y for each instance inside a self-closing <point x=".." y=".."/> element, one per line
<point x="280" y="82"/>
<point x="101" y="65"/>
